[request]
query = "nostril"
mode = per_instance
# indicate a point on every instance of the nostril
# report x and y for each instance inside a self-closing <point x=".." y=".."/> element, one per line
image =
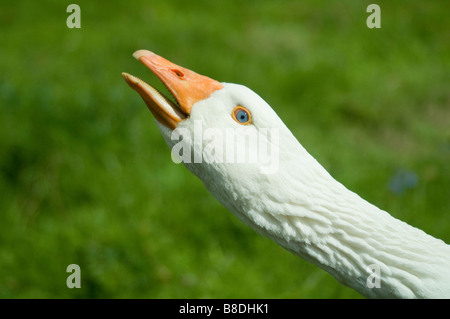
<point x="178" y="73"/>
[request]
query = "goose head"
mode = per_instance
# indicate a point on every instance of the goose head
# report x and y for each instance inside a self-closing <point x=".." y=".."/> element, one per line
<point x="225" y="134"/>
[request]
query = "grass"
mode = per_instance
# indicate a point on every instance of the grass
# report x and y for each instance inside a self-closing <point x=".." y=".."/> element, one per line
<point x="86" y="178"/>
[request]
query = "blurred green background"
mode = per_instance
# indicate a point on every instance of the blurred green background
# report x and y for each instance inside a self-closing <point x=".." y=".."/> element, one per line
<point x="86" y="178"/>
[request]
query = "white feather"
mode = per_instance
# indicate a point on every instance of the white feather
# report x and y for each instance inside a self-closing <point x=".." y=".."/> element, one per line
<point x="308" y="212"/>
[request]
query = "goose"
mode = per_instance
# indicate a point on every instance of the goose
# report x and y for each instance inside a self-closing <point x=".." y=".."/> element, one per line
<point x="295" y="201"/>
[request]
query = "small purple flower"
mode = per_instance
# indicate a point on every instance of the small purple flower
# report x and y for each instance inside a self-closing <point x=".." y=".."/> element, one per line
<point x="402" y="180"/>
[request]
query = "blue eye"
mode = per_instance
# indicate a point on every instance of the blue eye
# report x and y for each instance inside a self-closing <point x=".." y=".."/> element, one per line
<point x="241" y="115"/>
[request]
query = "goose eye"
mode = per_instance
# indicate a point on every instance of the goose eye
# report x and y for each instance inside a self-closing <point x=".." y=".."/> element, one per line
<point x="241" y="115"/>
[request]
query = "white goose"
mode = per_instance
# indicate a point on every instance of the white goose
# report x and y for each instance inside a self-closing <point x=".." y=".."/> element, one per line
<point x="300" y="206"/>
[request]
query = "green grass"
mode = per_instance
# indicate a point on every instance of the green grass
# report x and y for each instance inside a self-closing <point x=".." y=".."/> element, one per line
<point x="86" y="178"/>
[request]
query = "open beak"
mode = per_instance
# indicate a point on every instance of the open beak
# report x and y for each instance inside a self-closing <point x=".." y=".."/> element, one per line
<point x="186" y="86"/>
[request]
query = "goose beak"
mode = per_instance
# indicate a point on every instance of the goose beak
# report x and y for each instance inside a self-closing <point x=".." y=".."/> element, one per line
<point x="186" y="86"/>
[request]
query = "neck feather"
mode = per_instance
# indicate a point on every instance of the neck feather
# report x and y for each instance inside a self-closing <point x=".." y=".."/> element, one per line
<point x="308" y="212"/>
<point x="317" y="218"/>
<point x="359" y="244"/>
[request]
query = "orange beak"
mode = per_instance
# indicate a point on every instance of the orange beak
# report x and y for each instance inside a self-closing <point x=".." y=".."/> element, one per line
<point x="186" y="86"/>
